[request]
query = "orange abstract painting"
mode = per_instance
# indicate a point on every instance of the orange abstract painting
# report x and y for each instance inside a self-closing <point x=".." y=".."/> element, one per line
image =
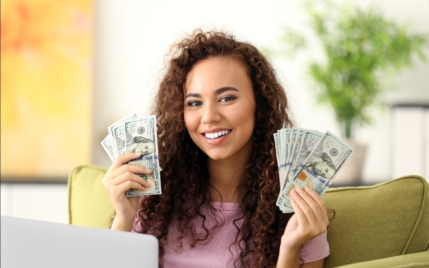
<point x="46" y="87"/>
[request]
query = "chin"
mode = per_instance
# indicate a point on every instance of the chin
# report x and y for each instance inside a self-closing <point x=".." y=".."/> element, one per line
<point x="216" y="156"/>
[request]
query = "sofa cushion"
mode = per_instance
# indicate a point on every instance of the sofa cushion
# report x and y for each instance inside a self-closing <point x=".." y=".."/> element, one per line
<point x="89" y="203"/>
<point x="378" y="221"/>
<point x="420" y="259"/>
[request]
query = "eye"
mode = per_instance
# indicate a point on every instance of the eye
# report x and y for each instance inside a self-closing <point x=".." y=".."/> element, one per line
<point x="194" y="103"/>
<point x="326" y="170"/>
<point x="227" y="98"/>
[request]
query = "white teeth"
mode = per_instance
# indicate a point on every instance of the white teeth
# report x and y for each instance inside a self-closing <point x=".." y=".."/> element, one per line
<point x="216" y="135"/>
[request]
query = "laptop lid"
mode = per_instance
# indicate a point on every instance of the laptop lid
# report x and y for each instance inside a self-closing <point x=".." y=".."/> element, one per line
<point x="31" y="243"/>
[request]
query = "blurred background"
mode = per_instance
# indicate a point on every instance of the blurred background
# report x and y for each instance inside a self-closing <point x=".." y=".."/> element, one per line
<point x="70" y="69"/>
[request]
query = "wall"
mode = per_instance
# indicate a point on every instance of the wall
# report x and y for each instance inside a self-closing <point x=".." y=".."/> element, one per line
<point x="136" y="57"/>
<point x="47" y="202"/>
<point x="132" y="37"/>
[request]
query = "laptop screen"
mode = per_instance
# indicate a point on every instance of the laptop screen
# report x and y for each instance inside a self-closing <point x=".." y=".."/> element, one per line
<point x="31" y="243"/>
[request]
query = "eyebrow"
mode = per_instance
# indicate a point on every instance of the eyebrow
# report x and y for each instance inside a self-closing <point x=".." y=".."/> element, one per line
<point x="217" y="92"/>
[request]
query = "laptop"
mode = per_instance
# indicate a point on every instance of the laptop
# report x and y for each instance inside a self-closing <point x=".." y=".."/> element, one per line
<point x="32" y="243"/>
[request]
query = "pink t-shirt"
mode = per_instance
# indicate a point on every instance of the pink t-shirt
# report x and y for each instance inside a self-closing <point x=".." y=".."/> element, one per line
<point x="216" y="251"/>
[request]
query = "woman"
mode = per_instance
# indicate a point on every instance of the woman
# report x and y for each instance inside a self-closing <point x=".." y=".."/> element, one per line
<point x="217" y="107"/>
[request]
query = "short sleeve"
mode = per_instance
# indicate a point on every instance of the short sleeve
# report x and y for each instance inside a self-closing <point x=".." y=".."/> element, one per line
<point x="315" y="249"/>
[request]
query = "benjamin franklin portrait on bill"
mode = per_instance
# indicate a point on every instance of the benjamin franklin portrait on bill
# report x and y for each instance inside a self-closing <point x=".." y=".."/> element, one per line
<point x="142" y="145"/>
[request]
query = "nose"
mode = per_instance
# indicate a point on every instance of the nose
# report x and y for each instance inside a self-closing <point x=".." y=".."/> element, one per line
<point x="210" y="114"/>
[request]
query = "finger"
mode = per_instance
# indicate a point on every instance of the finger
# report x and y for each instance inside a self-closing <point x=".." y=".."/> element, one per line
<point x="136" y="169"/>
<point x="122" y="159"/>
<point x="119" y="190"/>
<point x="306" y="203"/>
<point x="314" y="206"/>
<point x="129" y="176"/>
<point x="300" y="215"/>
<point x="292" y="223"/>
<point x="322" y="206"/>
<point x="321" y="203"/>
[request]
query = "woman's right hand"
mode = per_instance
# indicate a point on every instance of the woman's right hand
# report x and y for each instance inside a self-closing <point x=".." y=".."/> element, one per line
<point x="122" y="177"/>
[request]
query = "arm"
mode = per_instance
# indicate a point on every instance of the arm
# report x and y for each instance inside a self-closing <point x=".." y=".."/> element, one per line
<point x="120" y="178"/>
<point x="316" y="264"/>
<point x="309" y="221"/>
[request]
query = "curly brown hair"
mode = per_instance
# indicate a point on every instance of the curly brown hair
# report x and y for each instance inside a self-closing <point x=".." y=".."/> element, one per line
<point x="185" y="176"/>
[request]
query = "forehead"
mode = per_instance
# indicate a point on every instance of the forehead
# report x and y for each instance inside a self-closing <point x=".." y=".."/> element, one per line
<point x="217" y="72"/>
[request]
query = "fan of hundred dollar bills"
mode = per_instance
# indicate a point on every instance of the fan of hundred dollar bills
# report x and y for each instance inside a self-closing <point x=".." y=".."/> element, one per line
<point x="133" y="134"/>
<point x="307" y="158"/>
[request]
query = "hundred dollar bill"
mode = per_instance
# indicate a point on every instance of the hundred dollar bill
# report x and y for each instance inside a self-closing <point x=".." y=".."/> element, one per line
<point x="108" y="147"/>
<point x="301" y="151"/>
<point x="115" y="139"/>
<point x="282" y="156"/>
<point x="286" y="134"/>
<point x="293" y="156"/>
<point x="290" y="136"/>
<point x="141" y="136"/>
<point x="318" y="169"/>
<point x="118" y="136"/>
<point x="309" y="139"/>
<point x="277" y="145"/>
<point x="288" y="142"/>
<point x="297" y="148"/>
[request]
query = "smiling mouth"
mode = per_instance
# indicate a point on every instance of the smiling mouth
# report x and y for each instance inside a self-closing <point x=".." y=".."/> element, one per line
<point x="215" y="135"/>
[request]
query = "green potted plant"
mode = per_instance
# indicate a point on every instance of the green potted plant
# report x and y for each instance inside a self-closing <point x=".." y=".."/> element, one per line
<point x="361" y="49"/>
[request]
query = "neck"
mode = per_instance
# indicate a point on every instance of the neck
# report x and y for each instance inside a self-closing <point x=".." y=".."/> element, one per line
<point x="226" y="176"/>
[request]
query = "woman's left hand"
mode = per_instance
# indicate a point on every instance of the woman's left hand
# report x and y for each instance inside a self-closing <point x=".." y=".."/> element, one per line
<point x="310" y="220"/>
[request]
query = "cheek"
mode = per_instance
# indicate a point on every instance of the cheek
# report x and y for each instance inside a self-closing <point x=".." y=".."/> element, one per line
<point x="191" y="120"/>
<point x="187" y="119"/>
<point x="246" y="117"/>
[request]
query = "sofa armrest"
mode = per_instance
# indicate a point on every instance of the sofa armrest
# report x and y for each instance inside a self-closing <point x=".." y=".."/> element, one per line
<point x="420" y="259"/>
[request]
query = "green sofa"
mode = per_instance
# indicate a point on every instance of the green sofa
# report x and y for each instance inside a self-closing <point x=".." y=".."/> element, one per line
<point x="384" y="225"/>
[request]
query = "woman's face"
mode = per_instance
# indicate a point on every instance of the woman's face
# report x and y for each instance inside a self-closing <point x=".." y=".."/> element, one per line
<point x="219" y="108"/>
